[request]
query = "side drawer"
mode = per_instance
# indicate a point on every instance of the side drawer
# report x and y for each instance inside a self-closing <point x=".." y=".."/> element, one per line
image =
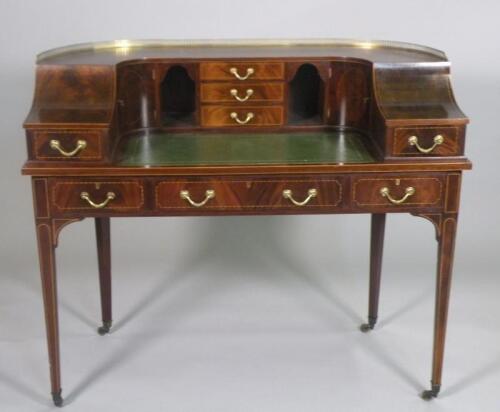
<point x="249" y="195"/>
<point x="97" y="195"/>
<point x="242" y="71"/>
<point x="238" y="93"/>
<point x="427" y="141"/>
<point x="398" y="192"/>
<point x="217" y="116"/>
<point x="71" y="145"/>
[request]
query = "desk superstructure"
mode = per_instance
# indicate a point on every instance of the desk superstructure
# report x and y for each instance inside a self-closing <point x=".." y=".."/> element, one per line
<point x="159" y="128"/>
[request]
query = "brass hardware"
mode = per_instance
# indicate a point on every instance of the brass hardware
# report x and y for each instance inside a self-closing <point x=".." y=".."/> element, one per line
<point x="234" y="93"/>
<point x="413" y="141"/>
<point x="409" y="191"/>
<point x="109" y="196"/>
<point x="127" y="45"/>
<point x="249" y="117"/>
<point x="288" y="194"/>
<point x="56" y="145"/>
<point x="234" y="71"/>
<point x="209" y="194"/>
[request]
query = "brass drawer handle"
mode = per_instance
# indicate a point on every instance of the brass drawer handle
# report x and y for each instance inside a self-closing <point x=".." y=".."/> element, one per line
<point x="409" y="191"/>
<point x="209" y="194"/>
<point x="56" y="145"/>
<point x="109" y="197"/>
<point x="234" y="93"/>
<point x="249" y="117"/>
<point x="413" y="141"/>
<point x="234" y="71"/>
<point x="288" y="194"/>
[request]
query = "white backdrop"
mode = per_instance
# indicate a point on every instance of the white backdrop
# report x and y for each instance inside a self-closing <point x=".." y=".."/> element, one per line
<point x="467" y="31"/>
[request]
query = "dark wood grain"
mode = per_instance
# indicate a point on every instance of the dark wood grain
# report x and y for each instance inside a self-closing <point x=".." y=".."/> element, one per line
<point x="65" y="195"/>
<point x="103" y="238"/>
<point x="93" y="151"/>
<point x="221" y="92"/>
<point x="429" y="191"/>
<point x="218" y="116"/>
<point x="262" y="70"/>
<point x="452" y="141"/>
<point x="127" y="101"/>
<point x="376" y="253"/>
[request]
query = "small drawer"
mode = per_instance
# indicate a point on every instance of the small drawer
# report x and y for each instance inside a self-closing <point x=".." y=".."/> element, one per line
<point x="238" y="93"/>
<point x="216" y="116"/>
<point x="242" y="71"/>
<point x="249" y="195"/>
<point x="426" y="141"/>
<point x="97" y="195"/>
<point x="398" y="192"/>
<point x="67" y="145"/>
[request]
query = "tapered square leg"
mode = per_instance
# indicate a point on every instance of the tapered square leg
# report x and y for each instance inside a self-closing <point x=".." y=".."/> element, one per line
<point x="102" y="227"/>
<point x="376" y="252"/>
<point x="46" y="253"/>
<point x="446" y="248"/>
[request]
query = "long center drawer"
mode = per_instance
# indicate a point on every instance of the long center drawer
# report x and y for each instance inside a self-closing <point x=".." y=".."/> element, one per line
<point x="249" y="194"/>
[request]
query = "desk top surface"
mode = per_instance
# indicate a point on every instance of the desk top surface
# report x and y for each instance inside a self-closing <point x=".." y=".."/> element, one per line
<point x="201" y="148"/>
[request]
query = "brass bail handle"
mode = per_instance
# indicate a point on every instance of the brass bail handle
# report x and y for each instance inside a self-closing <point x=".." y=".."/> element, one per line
<point x="209" y="194"/>
<point x="235" y="73"/>
<point x="56" y="145"/>
<point x="234" y="93"/>
<point x="413" y="141"/>
<point x="109" y="197"/>
<point x="409" y="191"/>
<point x="236" y="118"/>
<point x="311" y="193"/>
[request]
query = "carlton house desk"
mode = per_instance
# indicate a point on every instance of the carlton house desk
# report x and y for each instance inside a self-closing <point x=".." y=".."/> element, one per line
<point x="162" y="128"/>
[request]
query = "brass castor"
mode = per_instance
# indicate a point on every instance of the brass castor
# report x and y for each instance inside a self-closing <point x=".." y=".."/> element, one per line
<point x="431" y="393"/>
<point x="367" y="327"/>
<point x="105" y="328"/>
<point x="57" y="399"/>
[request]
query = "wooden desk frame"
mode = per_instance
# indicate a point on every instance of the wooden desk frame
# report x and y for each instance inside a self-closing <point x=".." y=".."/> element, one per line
<point x="78" y="100"/>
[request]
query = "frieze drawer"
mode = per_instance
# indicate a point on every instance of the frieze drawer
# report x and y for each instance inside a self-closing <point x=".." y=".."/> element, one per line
<point x="97" y="195"/>
<point x="247" y="195"/>
<point x="427" y="141"/>
<point x="398" y="192"/>
<point x="71" y="145"/>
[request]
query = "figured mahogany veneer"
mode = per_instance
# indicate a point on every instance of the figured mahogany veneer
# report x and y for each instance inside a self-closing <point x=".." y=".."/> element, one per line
<point x="68" y="141"/>
<point x="241" y="129"/>
<point x="256" y="92"/>
<point x="250" y="194"/>
<point x="452" y="141"/>
<point x="66" y="195"/>
<point x="428" y="192"/>
<point x="259" y="70"/>
<point x="219" y="116"/>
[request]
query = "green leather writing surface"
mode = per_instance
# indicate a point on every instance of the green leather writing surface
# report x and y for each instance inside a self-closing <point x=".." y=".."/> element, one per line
<point x="204" y="148"/>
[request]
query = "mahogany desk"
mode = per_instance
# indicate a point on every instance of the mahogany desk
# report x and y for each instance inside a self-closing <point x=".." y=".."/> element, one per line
<point x="158" y="128"/>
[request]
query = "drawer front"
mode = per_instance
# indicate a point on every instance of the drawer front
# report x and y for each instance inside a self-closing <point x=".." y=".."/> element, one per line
<point x="238" y="93"/>
<point x="97" y="195"/>
<point x="214" y="116"/>
<point x="68" y="145"/>
<point x="426" y="141"/>
<point x="242" y="71"/>
<point x="398" y="192"/>
<point x="247" y="195"/>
